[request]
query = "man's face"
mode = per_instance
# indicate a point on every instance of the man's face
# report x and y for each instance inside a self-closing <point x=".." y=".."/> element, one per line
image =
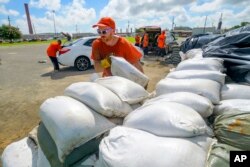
<point x="106" y="33"/>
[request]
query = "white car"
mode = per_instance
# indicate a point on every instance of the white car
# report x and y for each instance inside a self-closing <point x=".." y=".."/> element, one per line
<point x="77" y="53"/>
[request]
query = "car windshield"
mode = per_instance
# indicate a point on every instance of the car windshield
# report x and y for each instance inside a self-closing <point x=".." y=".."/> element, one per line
<point x="72" y="43"/>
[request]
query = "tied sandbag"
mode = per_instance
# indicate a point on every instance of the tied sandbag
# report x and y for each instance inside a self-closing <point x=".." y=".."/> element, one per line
<point x="235" y="91"/>
<point x="168" y="119"/>
<point x="99" y="98"/>
<point x="127" y="90"/>
<point x="120" y="67"/>
<point x="219" y="155"/>
<point x="194" y="54"/>
<point x="196" y="74"/>
<point x="232" y="105"/>
<point x="212" y="64"/>
<point x="199" y="103"/>
<point x="204" y="87"/>
<point x="22" y="153"/>
<point x="233" y="129"/>
<point x="71" y="123"/>
<point x="127" y="147"/>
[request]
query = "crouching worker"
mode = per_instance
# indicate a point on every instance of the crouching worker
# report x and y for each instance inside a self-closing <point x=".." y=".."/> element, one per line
<point x="111" y="44"/>
<point x="53" y="48"/>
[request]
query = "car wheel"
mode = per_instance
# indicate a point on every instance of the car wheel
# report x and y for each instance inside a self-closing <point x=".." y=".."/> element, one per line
<point x="82" y="63"/>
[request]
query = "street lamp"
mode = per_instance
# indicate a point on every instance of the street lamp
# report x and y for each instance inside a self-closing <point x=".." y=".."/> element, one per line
<point x="54" y="21"/>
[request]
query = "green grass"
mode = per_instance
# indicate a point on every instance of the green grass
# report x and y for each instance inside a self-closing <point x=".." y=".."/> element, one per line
<point x="6" y="44"/>
<point x="130" y="39"/>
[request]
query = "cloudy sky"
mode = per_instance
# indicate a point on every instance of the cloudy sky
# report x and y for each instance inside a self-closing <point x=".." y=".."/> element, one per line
<point x="79" y="15"/>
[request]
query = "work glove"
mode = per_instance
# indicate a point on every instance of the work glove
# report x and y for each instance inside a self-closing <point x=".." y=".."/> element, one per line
<point x="106" y="63"/>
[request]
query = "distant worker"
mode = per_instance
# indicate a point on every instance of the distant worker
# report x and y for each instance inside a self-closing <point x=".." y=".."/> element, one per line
<point x="137" y="40"/>
<point x="161" y="44"/>
<point x="53" y="48"/>
<point x="67" y="35"/>
<point x="111" y="44"/>
<point x="145" y="43"/>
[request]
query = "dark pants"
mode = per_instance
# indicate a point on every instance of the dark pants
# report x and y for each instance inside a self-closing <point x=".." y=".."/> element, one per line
<point x="54" y="62"/>
<point x="161" y="52"/>
<point x="145" y="50"/>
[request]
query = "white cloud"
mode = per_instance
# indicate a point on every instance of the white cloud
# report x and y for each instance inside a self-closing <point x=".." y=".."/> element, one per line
<point x="4" y="1"/>
<point x="9" y="12"/>
<point x="46" y="4"/>
<point x="66" y="19"/>
<point x="137" y="13"/>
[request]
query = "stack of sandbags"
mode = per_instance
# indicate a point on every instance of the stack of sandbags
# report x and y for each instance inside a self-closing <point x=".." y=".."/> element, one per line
<point x="70" y="131"/>
<point x="232" y="122"/>
<point x="131" y="147"/>
<point x="200" y="76"/>
<point x="162" y="132"/>
<point x="120" y="67"/>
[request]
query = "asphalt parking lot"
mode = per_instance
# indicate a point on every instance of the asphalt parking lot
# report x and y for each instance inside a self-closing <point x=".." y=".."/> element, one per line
<point x="25" y="84"/>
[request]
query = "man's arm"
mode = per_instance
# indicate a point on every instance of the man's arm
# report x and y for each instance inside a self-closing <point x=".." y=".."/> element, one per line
<point x="97" y="66"/>
<point x="138" y="66"/>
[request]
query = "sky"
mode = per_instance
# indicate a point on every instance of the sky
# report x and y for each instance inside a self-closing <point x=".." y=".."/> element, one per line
<point x="79" y="15"/>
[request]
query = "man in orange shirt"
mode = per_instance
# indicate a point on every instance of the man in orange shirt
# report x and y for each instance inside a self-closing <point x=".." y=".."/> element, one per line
<point x="53" y="48"/>
<point x="137" y="40"/>
<point x="161" y="44"/>
<point x="111" y="44"/>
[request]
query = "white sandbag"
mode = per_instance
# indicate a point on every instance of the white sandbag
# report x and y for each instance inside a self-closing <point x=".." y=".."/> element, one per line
<point x="22" y="153"/>
<point x="204" y="87"/>
<point x="42" y="161"/>
<point x="202" y="74"/>
<point x="235" y="91"/>
<point x="232" y="105"/>
<point x="127" y="90"/>
<point x="71" y="123"/>
<point x="213" y="64"/>
<point x="168" y="119"/>
<point x="127" y="147"/>
<point x="99" y="98"/>
<point x="120" y="67"/>
<point x="194" y="54"/>
<point x="199" y="103"/>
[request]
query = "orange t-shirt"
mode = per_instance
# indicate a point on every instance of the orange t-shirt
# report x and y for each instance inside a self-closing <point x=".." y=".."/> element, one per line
<point x="122" y="48"/>
<point x="161" y="41"/>
<point x="137" y="39"/>
<point x="145" y="40"/>
<point x="53" y="48"/>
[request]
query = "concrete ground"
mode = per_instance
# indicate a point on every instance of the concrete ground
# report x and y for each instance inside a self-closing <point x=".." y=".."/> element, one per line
<point x="26" y="82"/>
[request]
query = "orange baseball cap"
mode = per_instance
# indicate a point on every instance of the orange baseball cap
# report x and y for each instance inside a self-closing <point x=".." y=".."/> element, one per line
<point x="105" y="21"/>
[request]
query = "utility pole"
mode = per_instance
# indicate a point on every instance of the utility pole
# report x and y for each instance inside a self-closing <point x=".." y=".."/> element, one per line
<point x="9" y="20"/>
<point x="76" y="28"/>
<point x="173" y="24"/>
<point x="205" y="25"/>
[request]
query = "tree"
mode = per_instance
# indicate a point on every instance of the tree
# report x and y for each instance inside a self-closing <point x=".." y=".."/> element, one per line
<point x="10" y="32"/>
<point x="242" y="24"/>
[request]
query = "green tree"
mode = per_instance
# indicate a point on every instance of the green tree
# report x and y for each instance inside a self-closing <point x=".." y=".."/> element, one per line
<point x="10" y="32"/>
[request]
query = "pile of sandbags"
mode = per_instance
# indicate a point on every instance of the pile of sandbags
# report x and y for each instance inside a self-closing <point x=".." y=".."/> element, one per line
<point x="73" y="125"/>
<point x="200" y="76"/>
<point x="232" y="122"/>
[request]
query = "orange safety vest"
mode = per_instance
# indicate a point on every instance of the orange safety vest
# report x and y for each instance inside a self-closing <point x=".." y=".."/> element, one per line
<point x="145" y="40"/>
